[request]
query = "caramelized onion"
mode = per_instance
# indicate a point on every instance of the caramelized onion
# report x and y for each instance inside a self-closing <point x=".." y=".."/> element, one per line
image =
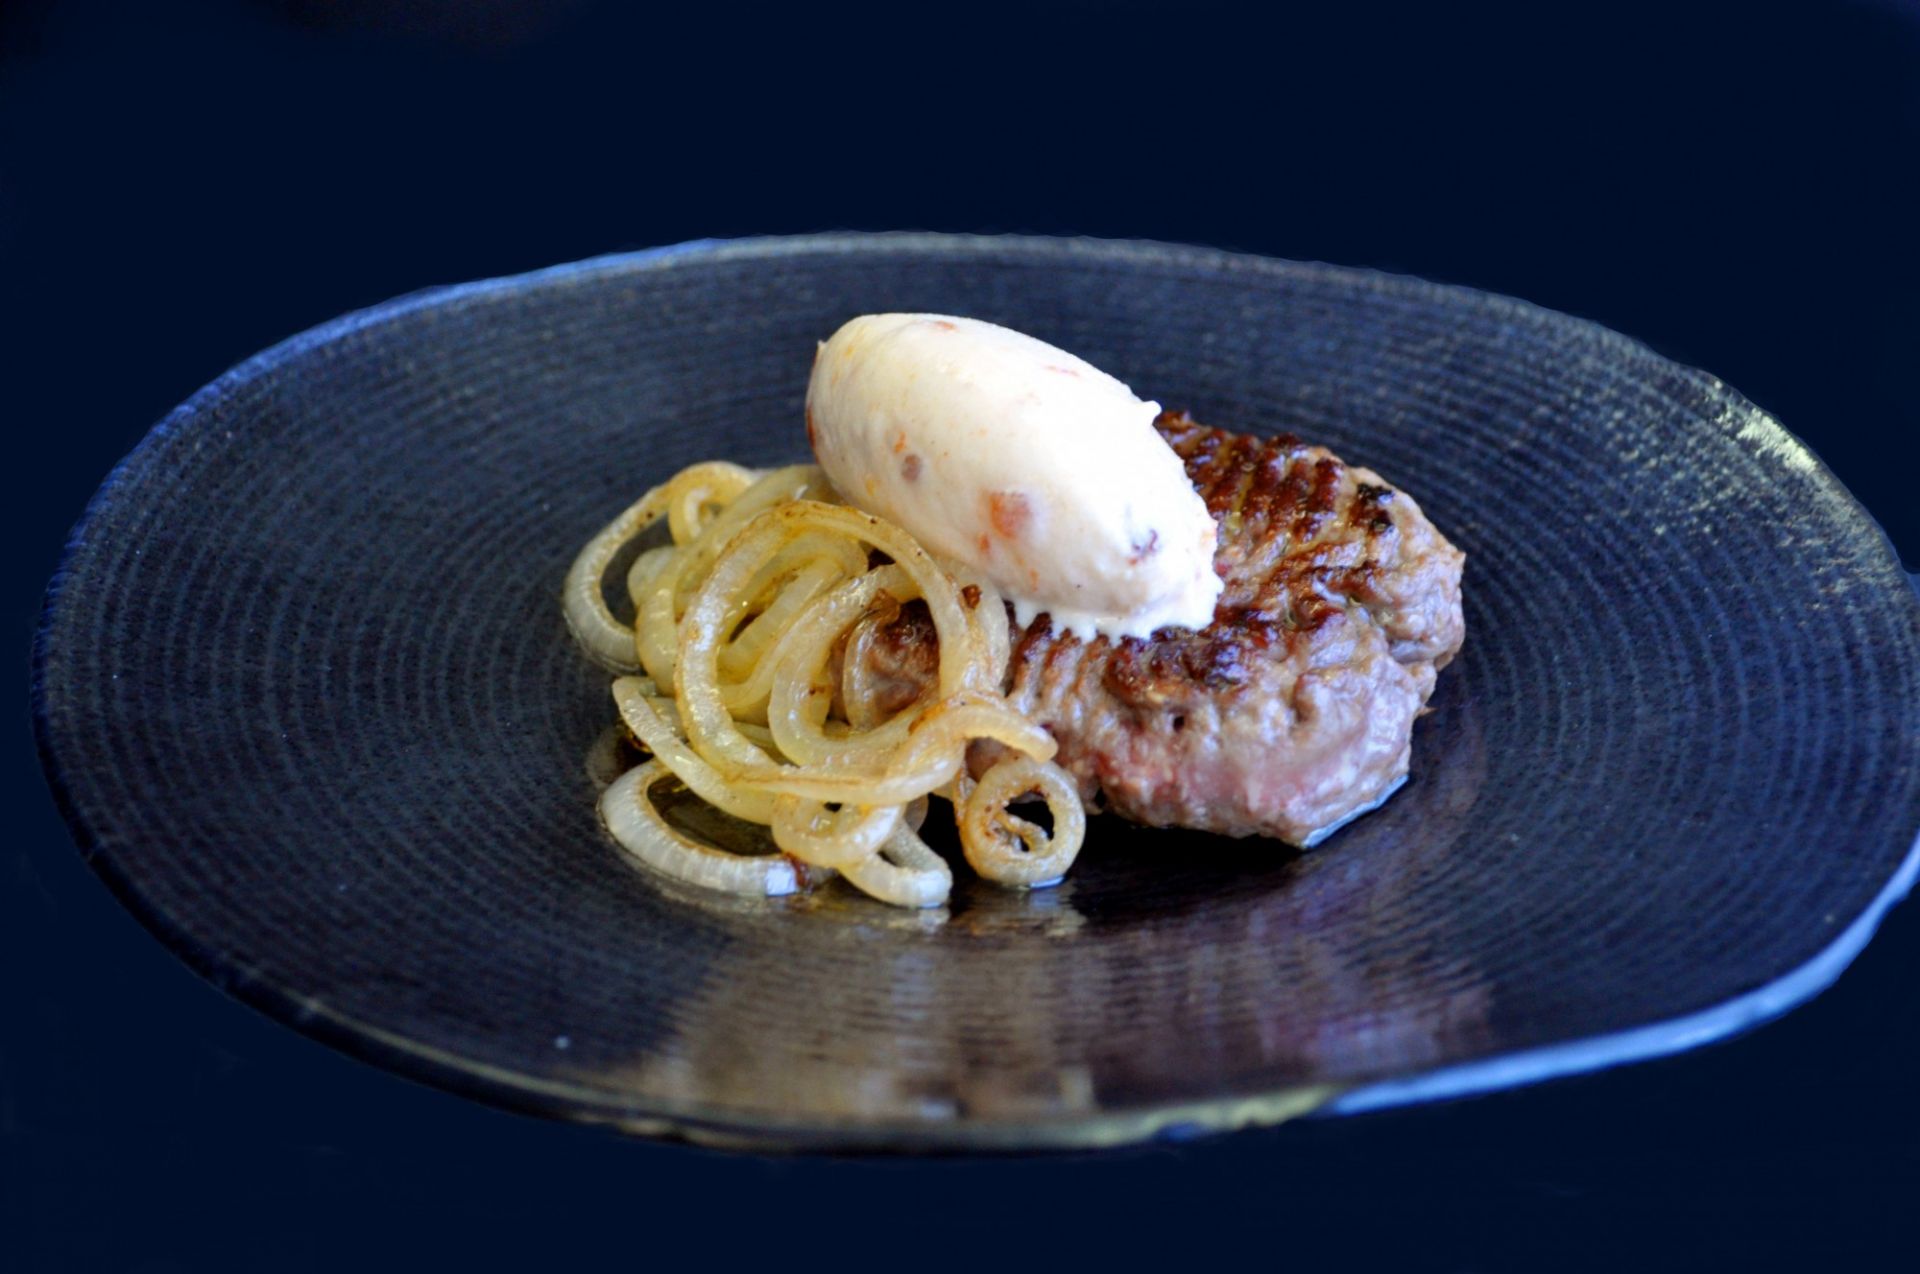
<point x="738" y="626"/>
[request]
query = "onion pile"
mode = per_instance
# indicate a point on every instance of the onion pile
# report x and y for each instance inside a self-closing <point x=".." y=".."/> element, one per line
<point x="747" y="677"/>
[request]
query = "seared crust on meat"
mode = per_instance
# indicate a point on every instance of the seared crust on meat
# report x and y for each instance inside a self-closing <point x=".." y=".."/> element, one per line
<point x="1291" y="711"/>
<point x="1303" y="536"/>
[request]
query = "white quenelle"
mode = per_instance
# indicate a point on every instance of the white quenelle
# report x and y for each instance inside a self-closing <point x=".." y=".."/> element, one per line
<point x="1018" y="464"/>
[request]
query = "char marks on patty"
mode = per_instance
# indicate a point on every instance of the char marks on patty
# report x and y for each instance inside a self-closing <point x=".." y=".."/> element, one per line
<point x="1294" y="708"/>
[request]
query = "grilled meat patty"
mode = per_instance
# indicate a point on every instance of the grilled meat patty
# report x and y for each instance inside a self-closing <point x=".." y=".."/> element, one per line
<point x="1293" y="710"/>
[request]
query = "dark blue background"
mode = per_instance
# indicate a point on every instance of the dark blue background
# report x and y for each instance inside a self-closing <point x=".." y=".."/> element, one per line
<point x="184" y="183"/>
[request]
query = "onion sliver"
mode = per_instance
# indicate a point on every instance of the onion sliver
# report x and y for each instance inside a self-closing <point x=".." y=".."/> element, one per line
<point x="1008" y="849"/>
<point x="905" y="872"/>
<point x="629" y="812"/>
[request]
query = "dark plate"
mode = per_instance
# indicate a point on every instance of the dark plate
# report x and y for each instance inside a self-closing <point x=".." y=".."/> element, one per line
<point x="307" y="700"/>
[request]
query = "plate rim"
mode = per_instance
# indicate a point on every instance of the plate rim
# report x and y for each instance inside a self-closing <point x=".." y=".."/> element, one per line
<point x="527" y="1094"/>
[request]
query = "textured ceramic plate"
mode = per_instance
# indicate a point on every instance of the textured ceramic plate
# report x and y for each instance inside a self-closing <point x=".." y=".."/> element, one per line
<point x="306" y="697"/>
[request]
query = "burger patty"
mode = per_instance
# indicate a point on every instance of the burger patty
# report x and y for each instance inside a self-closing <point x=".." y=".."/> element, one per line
<point x="1293" y="710"/>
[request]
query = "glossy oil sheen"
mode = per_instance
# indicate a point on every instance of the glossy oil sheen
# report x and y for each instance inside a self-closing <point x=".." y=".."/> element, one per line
<point x="304" y="692"/>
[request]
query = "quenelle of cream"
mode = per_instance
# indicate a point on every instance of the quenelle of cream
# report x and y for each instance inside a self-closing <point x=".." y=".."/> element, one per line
<point x="1018" y="464"/>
